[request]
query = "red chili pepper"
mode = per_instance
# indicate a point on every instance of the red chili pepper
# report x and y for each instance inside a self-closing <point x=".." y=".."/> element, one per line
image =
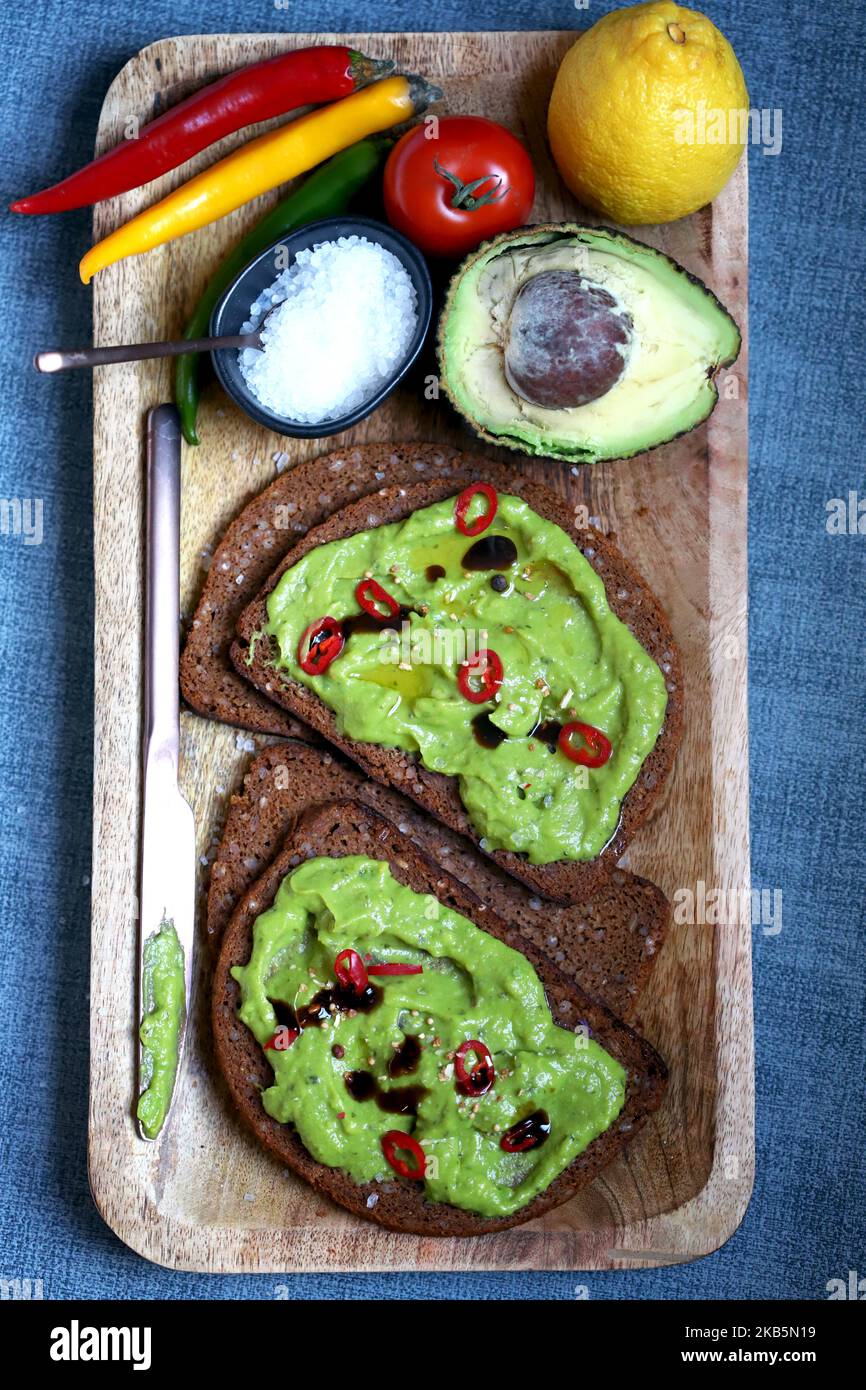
<point x="485" y="667"/>
<point x="481" y="523"/>
<point x="478" y="1081"/>
<point x="304" y="77"/>
<point x="369" y="593"/>
<point x="349" y="970"/>
<point x="319" y="645"/>
<point x="598" y="746"/>
<point x="395" y="969"/>
<point x="282" y="1039"/>
<point x="396" y="1140"/>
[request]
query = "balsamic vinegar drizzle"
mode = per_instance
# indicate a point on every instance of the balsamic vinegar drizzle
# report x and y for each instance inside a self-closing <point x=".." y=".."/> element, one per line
<point x="536" y="1127"/>
<point x="323" y="1006"/>
<point x="490" y="553"/>
<point x="548" y="732"/>
<point x="486" y="732"/>
<point x="406" y="1057"/>
<point x="400" y="1100"/>
<point x="489" y="735"/>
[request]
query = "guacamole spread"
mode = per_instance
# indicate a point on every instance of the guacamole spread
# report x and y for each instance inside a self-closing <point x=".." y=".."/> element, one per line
<point x="163" y="994"/>
<point x="347" y="1076"/>
<point x="522" y="590"/>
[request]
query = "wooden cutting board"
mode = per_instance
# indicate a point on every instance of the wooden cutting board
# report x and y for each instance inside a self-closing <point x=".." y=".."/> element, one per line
<point x="207" y="1197"/>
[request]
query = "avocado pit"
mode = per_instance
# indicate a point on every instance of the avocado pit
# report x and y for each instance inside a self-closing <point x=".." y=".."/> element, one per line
<point x="567" y="340"/>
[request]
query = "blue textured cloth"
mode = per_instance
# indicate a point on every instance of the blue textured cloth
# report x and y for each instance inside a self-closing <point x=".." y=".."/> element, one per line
<point x="805" y="1223"/>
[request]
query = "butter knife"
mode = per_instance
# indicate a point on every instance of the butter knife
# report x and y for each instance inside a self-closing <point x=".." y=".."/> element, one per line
<point x="167" y="874"/>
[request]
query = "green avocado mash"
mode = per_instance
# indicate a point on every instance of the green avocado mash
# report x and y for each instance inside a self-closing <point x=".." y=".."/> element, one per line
<point x="472" y="986"/>
<point x="163" y="994"/>
<point x="565" y="657"/>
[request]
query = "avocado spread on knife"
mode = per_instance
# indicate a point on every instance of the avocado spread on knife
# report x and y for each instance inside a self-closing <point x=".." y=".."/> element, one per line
<point x="350" y="1076"/>
<point x="164" y="1003"/>
<point x="523" y="591"/>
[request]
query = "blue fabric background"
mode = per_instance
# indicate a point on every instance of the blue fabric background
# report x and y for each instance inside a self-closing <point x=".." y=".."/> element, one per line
<point x="805" y="1224"/>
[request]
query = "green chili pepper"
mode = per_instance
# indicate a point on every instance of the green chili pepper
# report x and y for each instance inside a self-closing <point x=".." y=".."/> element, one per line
<point x="326" y="193"/>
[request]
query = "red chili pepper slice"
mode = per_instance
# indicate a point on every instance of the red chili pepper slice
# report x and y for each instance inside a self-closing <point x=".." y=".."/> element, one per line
<point x="463" y="503"/>
<point x="322" y="641"/>
<point x="395" y="1141"/>
<point x="369" y="593"/>
<point x="478" y="1081"/>
<point x="282" y="1039"/>
<point x="598" y="746"/>
<point x="394" y="968"/>
<point x="349" y="970"/>
<point x="484" y="667"/>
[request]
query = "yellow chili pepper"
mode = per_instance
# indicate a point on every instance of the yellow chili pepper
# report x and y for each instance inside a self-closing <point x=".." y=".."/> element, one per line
<point x="262" y="164"/>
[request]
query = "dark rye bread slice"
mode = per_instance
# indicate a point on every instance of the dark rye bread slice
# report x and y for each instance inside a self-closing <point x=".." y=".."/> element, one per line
<point x="607" y="944"/>
<point x="629" y="597"/>
<point x="347" y="828"/>
<point x="256" y="542"/>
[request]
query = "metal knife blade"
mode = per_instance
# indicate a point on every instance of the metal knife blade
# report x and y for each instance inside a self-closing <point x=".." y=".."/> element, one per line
<point x="168" y="854"/>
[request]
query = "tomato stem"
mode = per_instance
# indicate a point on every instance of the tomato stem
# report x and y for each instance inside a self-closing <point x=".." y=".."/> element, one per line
<point x="464" y="196"/>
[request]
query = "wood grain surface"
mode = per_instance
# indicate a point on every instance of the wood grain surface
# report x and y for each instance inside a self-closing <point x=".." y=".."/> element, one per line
<point x="206" y="1197"/>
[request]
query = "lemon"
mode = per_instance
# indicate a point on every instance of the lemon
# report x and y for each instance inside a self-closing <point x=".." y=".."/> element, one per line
<point x="649" y="113"/>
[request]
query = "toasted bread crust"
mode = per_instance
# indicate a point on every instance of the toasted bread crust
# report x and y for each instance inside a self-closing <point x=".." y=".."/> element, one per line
<point x="629" y="598"/>
<point x="348" y="828"/>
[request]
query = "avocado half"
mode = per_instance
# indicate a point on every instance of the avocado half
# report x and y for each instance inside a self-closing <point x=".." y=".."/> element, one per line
<point x="677" y="337"/>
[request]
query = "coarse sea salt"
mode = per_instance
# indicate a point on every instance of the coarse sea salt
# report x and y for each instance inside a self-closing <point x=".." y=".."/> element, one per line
<point x="347" y="313"/>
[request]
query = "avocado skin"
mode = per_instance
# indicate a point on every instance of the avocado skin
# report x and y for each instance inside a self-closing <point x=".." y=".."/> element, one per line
<point x="544" y="447"/>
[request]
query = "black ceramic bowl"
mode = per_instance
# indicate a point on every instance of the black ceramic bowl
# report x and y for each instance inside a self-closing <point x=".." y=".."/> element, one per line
<point x="233" y="308"/>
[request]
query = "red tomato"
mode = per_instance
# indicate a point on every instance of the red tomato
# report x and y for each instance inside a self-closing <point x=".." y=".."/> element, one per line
<point x="453" y="183"/>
